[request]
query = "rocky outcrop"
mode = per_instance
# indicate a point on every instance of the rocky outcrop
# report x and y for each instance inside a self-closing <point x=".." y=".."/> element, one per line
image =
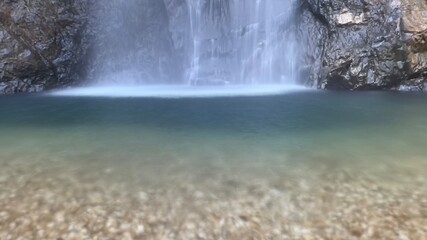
<point x="41" y="43"/>
<point x="364" y="44"/>
<point x="414" y="28"/>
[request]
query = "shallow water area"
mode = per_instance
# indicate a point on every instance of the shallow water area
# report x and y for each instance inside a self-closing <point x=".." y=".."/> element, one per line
<point x="300" y="165"/>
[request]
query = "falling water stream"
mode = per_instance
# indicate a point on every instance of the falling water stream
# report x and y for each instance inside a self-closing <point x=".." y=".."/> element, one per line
<point x="242" y="42"/>
<point x="245" y="47"/>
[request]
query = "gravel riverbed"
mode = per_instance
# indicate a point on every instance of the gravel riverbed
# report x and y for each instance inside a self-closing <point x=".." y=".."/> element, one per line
<point x="50" y="199"/>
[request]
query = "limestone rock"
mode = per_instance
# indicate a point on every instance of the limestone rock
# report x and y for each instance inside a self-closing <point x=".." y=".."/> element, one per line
<point x="347" y="18"/>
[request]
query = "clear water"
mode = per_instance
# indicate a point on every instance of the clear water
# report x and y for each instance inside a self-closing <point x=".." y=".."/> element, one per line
<point x="361" y="130"/>
<point x="320" y="164"/>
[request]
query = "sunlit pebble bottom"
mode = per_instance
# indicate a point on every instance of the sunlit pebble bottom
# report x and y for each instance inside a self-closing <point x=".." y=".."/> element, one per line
<point x="49" y="199"/>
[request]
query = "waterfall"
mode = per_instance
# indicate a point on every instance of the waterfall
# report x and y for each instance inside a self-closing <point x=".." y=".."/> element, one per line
<point x="242" y="42"/>
<point x="133" y="44"/>
<point x="169" y="48"/>
<point x="194" y="42"/>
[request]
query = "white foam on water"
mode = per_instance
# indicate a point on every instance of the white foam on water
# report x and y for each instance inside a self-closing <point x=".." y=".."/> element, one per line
<point x="178" y="91"/>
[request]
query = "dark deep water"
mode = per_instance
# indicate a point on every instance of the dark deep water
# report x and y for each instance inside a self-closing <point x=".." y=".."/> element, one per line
<point x="287" y="162"/>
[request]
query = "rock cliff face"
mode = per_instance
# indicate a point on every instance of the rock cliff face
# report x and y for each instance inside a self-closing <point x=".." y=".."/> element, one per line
<point x="41" y="43"/>
<point x="346" y="44"/>
<point x="364" y="44"/>
<point x="414" y="28"/>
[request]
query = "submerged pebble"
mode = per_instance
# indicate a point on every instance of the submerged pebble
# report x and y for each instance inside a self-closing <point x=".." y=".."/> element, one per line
<point x="62" y="204"/>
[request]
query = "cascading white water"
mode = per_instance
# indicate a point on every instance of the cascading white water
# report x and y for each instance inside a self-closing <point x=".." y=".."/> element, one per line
<point x="189" y="43"/>
<point x="242" y="42"/>
<point x="133" y="44"/>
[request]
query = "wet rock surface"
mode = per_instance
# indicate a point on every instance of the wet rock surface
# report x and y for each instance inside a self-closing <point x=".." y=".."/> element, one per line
<point x="364" y="44"/>
<point x="41" y="43"/>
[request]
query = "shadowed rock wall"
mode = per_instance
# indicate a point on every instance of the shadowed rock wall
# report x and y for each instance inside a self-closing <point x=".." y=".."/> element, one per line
<point x="364" y="44"/>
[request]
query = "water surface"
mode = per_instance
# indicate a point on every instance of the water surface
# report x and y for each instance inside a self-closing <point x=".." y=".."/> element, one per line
<point x="312" y="153"/>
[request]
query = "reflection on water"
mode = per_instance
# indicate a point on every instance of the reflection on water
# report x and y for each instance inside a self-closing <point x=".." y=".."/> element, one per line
<point x="298" y="166"/>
